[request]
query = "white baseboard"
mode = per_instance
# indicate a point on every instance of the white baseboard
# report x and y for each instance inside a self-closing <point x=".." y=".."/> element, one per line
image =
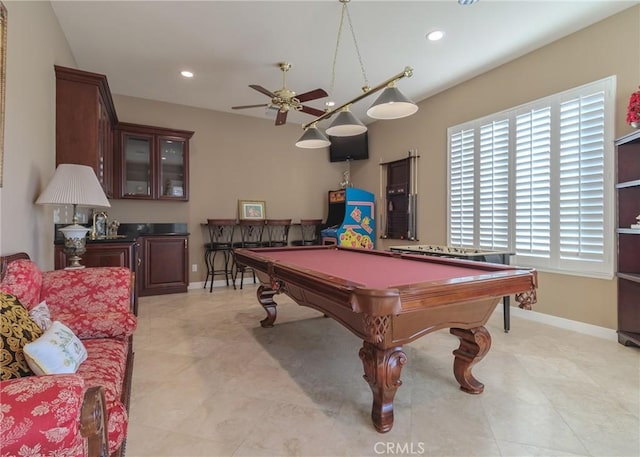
<point x="561" y="322"/>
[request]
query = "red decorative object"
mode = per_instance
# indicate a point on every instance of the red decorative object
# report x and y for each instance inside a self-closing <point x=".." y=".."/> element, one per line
<point x="633" y="110"/>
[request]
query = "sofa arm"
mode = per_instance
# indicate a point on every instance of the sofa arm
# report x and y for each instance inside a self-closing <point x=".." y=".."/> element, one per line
<point x="93" y="422"/>
<point x="41" y="415"/>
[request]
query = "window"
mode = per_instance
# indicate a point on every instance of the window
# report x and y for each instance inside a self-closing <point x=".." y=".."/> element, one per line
<point x="536" y="180"/>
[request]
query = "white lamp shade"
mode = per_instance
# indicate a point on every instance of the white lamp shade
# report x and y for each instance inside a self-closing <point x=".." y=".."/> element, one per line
<point x="74" y="184"/>
<point x="391" y="104"/>
<point x="346" y="124"/>
<point x="312" y="138"/>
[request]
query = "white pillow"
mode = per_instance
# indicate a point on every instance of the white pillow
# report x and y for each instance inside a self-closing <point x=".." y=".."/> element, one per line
<point x="41" y="315"/>
<point x="57" y="351"/>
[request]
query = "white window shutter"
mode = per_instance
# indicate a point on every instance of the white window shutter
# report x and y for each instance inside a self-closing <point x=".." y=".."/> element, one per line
<point x="493" y="186"/>
<point x="461" y="185"/>
<point x="537" y="180"/>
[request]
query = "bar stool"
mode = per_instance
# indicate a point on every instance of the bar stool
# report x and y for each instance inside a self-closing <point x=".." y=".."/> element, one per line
<point x="277" y="232"/>
<point x="220" y="240"/>
<point x="250" y="237"/>
<point x="309" y="229"/>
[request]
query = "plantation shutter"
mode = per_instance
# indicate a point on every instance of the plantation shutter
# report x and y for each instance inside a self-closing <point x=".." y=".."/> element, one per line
<point x="582" y="177"/>
<point x="494" y="186"/>
<point x="461" y="185"/>
<point x="533" y="183"/>
<point x="536" y="180"/>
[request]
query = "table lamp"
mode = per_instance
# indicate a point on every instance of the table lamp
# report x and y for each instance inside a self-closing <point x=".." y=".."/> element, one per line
<point x="75" y="185"/>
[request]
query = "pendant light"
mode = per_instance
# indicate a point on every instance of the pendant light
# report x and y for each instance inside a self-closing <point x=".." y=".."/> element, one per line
<point x="392" y="104"/>
<point x="313" y="138"/>
<point x="346" y="124"/>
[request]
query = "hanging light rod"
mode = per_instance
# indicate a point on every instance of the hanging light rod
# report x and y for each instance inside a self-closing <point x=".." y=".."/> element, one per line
<point x="406" y="73"/>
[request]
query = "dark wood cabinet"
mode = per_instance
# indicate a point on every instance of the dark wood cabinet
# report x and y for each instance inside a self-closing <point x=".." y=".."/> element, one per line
<point x="628" y="199"/>
<point x="85" y="120"/>
<point x="101" y="255"/>
<point x="163" y="267"/>
<point x="152" y="162"/>
<point x="398" y="199"/>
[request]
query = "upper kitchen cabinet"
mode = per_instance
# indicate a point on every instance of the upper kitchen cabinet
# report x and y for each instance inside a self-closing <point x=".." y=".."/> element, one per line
<point x="85" y="120"/>
<point x="152" y="162"/>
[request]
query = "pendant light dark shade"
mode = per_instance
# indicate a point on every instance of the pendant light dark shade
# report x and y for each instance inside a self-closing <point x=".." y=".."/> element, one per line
<point x="312" y="138"/>
<point x="392" y="104"/>
<point x="346" y="124"/>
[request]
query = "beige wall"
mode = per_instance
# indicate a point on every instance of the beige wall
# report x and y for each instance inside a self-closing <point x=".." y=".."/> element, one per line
<point x="35" y="43"/>
<point x="231" y="157"/>
<point x="611" y="47"/>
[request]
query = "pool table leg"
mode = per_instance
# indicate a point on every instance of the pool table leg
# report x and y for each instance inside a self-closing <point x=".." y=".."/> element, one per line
<point x="382" y="369"/>
<point x="474" y="344"/>
<point x="265" y="297"/>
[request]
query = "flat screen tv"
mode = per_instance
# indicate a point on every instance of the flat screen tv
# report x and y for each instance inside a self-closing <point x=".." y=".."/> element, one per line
<point x="349" y="148"/>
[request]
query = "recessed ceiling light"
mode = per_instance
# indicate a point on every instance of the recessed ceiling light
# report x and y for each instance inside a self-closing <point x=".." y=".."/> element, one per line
<point x="435" y="35"/>
<point x="186" y="74"/>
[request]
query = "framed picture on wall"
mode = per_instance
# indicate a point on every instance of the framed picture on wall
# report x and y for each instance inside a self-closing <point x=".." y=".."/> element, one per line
<point x="251" y="210"/>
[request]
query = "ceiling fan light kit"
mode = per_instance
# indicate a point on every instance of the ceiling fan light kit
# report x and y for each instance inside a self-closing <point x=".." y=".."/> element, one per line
<point x="391" y="104"/>
<point x="285" y="100"/>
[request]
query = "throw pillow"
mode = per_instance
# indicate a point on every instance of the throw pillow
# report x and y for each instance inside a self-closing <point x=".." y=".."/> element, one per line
<point x="41" y="315"/>
<point x="17" y="329"/>
<point x="57" y="351"/>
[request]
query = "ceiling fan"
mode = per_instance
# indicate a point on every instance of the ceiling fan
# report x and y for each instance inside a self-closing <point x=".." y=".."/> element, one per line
<point x="285" y="99"/>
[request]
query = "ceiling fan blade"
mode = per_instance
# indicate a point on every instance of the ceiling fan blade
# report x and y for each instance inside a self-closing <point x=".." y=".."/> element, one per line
<point x="281" y="118"/>
<point x="311" y="95"/>
<point x="249" y="106"/>
<point x="262" y="90"/>
<point x="312" y="111"/>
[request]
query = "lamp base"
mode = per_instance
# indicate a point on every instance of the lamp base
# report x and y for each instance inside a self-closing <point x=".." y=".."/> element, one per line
<point x="75" y="242"/>
<point x="74" y="263"/>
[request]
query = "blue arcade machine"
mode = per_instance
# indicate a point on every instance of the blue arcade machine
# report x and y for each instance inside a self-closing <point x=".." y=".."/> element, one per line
<point x="351" y="219"/>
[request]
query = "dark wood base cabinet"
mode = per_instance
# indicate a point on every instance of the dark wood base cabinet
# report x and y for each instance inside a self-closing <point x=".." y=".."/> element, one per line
<point x="628" y="272"/>
<point x="164" y="265"/>
<point x="101" y="255"/>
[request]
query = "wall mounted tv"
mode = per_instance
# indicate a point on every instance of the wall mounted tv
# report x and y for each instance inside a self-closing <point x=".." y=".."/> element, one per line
<point x="349" y="147"/>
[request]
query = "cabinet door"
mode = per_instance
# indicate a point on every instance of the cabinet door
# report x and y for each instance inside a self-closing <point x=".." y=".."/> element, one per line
<point x="85" y="117"/>
<point x="173" y="183"/>
<point x="137" y="166"/>
<point x="164" y="265"/>
<point x="105" y="151"/>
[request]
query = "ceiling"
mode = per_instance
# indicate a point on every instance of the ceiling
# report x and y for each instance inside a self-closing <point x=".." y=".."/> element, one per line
<point x="141" y="46"/>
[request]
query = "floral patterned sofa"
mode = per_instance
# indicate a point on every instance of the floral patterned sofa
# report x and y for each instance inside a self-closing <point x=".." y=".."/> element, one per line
<point x="53" y="414"/>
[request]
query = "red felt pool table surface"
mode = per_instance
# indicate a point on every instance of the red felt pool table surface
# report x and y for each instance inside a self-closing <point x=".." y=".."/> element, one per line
<point x="372" y="271"/>
<point x="390" y="299"/>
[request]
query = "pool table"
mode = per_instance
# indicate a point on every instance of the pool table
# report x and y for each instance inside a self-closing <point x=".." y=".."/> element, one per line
<point x="390" y="299"/>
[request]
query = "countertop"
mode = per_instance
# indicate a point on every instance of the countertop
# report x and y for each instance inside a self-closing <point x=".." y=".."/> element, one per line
<point x="129" y="232"/>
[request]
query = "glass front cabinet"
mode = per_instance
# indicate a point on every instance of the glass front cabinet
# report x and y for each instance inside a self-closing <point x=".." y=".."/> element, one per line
<point x="154" y="162"/>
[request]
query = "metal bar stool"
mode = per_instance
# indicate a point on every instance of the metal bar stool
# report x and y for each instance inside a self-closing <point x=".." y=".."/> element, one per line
<point x="277" y="232"/>
<point x="251" y="231"/>
<point x="220" y="240"/>
<point x="310" y="229"/>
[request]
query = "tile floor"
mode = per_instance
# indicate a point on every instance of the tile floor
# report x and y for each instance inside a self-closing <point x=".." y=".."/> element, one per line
<point x="209" y="381"/>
